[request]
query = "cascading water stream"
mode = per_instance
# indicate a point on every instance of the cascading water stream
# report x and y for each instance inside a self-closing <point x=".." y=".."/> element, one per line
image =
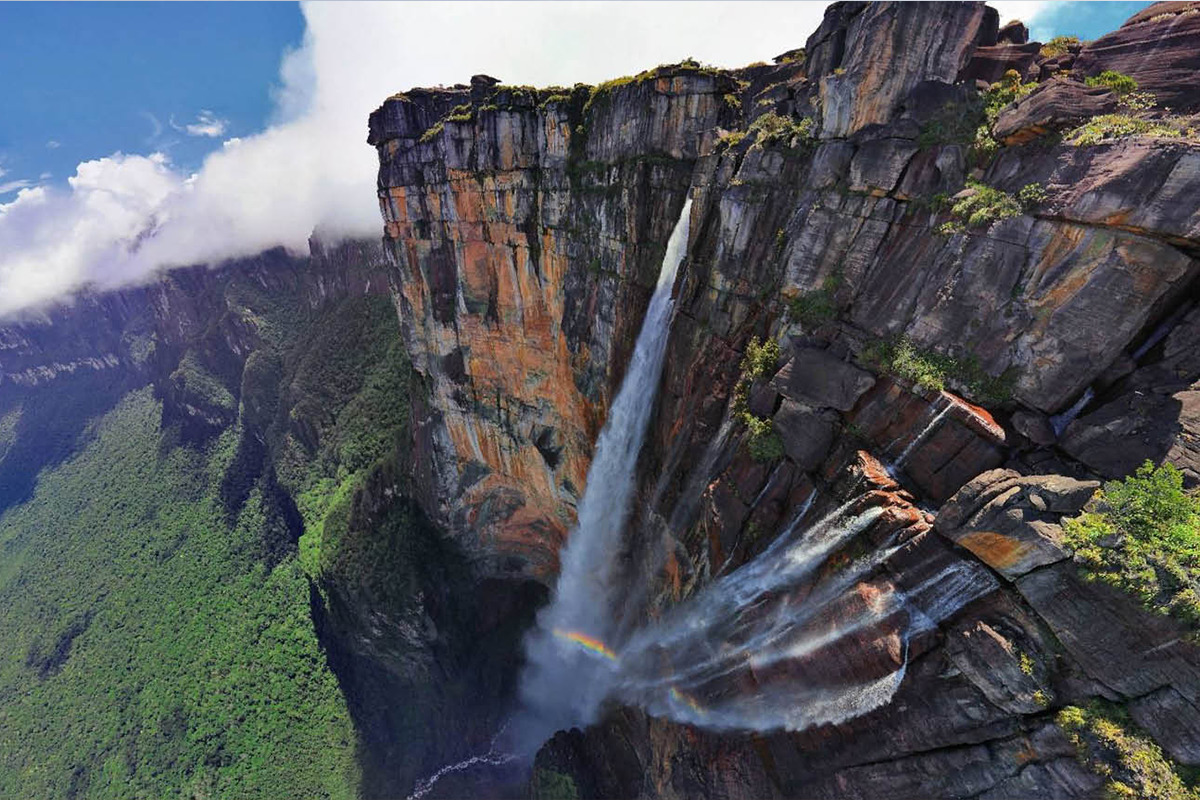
<point x="768" y="624"/>
<point x="561" y="685"/>
<point x="925" y="433"/>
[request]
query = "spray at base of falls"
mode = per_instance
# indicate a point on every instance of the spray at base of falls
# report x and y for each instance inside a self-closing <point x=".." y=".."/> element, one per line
<point x="772" y="619"/>
<point x="564" y="684"/>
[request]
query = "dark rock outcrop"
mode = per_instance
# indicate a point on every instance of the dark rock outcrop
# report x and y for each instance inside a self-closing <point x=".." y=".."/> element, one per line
<point x="1010" y="522"/>
<point x="1056" y="105"/>
<point x="1157" y="48"/>
<point x="820" y="378"/>
<point x="990" y="64"/>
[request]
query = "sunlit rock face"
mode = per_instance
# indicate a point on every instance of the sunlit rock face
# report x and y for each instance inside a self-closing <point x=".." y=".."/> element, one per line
<point x="525" y="228"/>
<point x="527" y="240"/>
<point x="1157" y="48"/>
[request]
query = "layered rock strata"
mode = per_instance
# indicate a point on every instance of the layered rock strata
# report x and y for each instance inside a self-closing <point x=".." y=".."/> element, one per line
<point x="526" y="227"/>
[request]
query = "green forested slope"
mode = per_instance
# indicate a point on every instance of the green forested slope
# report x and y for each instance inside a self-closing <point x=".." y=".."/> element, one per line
<point x="148" y="651"/>
<point x="157" y="632"/>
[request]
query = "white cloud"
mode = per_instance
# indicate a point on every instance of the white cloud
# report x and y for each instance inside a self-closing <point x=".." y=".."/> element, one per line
<point x="124" y="216"/>
<point x="9" y="187"/>
<point x="207" y="124"/>
<point x="53" y="144"/>
<point x="1027" y="11"/>
<point x="52" y="240"/>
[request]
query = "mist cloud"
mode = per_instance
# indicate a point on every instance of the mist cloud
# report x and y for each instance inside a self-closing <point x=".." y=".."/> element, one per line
<point x="125" y="216"/>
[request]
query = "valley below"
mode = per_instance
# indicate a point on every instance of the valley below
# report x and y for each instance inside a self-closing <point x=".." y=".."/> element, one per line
<point x="823" y="428"/>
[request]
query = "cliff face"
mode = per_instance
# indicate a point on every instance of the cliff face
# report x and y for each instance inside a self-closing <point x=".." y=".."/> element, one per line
<point x="62" y="366"/>
<point x="289" y="372"/>
<point x="847" y="205"/>
<point x="527" y="229"/>
<point x="985" y="302"/>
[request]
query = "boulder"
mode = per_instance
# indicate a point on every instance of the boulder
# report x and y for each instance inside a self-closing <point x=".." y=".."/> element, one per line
<point x="1137" y="426"/>
<point x="807" y="433"/>
<point x="1058" y="104"/>
<point x="1013" y="32"/>
<point x="820" y="378"/>
<point x="1010" y="521"/>
<point x="989" y="64"/>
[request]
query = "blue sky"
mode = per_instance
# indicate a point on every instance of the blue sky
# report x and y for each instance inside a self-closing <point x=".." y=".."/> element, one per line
<point x="1087" y="20"/>
<point x="136" y="137"/>
<point x="96" y="78"/>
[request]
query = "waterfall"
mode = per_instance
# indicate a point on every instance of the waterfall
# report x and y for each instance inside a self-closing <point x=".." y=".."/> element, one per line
<point x="568" y="668"/>
<point x="769" y="619"/>
<point x="925" y="433"/>
<point x="814" y="639"/>
<point x="1059" y="422"/>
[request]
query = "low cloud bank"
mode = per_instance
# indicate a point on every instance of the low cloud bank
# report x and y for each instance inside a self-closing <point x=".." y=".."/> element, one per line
<point x="123" y="217"/>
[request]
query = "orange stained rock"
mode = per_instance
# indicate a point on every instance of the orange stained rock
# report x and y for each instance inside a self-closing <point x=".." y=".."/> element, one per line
<point x="994" y="549"/>
<point x="902" y="516"/>
<point x="977" y="417"/>
<point x="1028" y="753"/>
<point x="873" y="595"/>
<point x="875" y="473"/>
<point x="1062" y="243"/>
<point x="672" y="574"/>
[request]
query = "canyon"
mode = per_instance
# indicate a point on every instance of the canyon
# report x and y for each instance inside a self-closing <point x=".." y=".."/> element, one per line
<point x="889" y="363"/>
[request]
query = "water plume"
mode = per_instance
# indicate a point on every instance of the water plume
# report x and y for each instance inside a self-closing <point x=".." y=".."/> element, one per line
<point x="920" y="438"/>
<point x="564" y="684"/>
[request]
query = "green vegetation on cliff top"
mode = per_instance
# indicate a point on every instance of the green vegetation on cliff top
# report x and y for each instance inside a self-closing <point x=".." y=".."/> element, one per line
<point x="929" y="369"/>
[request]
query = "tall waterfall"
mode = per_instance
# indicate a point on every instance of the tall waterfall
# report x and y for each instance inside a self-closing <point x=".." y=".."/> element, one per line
<point x="563" y="685"/>
<point x="787" y="640"/>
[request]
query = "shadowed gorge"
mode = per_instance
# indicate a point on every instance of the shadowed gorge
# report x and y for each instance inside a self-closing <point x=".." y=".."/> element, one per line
<point x="822" y="428"/>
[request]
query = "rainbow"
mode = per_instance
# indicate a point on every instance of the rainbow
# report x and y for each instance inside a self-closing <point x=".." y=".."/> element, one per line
<point x="690" y="702"/>
<point x="589" y="643"/>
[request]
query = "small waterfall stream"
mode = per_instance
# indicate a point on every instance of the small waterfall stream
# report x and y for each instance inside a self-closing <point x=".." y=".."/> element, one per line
<point x="920" y="438"/>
